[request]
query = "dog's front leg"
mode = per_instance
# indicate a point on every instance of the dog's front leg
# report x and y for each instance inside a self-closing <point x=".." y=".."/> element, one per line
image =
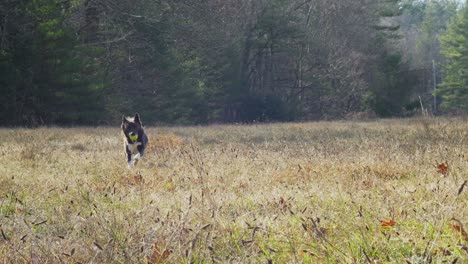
<point x="136" y="158"/>
<point x="129" y="158"/>
<point x="141" y="151"/>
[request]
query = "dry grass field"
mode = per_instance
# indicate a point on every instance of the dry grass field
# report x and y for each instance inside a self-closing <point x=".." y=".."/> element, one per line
<point x="388" y="191"/>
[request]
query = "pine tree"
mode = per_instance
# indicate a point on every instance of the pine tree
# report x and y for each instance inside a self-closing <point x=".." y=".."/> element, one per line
<point x="435" y="19"/>
<point x="45" y="75"/>
<point x="454" y="89"/>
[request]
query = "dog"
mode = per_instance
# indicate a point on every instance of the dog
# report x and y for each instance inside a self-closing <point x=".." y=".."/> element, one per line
<point x="135" y="139"/>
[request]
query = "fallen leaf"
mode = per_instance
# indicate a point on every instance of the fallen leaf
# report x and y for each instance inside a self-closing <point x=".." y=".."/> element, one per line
<point x="138" y="178"/>
<point x="159" y="256"/>
<point x="387" y="223"/>
<point x="458" y="226"/>
<point x="443" y="168"/>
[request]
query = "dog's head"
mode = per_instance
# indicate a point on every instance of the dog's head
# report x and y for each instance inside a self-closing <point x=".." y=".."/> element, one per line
<point x="131" y="127"/>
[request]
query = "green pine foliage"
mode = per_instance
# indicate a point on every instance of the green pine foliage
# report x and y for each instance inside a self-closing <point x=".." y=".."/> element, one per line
<point x="47" y="76"/>
<point x="436" y="16"/>
<point x="454" y="89"/>
<point x="392" y="89"/>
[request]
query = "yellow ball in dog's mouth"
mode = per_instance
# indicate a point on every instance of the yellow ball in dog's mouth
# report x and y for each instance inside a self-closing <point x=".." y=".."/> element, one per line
<point x="133" y="137"/>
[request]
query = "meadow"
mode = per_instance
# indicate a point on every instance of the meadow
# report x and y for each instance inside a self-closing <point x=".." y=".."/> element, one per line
<point x="384" y="191"/>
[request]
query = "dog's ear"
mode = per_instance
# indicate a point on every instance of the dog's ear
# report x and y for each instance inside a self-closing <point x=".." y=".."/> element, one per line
<point x="137" y="119"/>
<point x="124" y="120"/>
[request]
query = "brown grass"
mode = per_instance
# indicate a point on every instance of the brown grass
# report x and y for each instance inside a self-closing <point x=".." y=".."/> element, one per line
<point x="303" y="192"/>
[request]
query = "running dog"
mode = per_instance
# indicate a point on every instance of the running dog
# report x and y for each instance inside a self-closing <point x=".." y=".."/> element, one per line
<point x="135" y="139"/>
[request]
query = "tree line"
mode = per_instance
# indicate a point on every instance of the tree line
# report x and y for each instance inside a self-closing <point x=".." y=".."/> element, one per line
<point x="86" y="62"/>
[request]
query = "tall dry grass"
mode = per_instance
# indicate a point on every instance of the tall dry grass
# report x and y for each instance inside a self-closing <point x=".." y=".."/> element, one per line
<point x="326" y="192"/>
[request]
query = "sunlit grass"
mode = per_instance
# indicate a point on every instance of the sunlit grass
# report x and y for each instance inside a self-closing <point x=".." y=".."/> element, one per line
<point x="302" y="192"/>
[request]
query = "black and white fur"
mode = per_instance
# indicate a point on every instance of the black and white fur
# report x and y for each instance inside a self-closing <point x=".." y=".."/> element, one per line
<point x="133" y="126"/>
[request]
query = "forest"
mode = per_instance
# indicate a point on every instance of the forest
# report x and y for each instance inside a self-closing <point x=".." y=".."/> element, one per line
<point x="87" y="62"/>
